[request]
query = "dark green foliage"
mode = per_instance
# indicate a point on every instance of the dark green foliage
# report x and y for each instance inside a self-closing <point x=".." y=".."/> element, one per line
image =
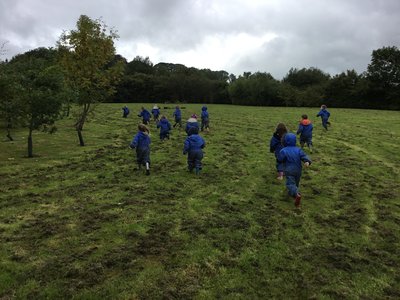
<point x="36" y="90"/>
<point x="384" y="75"/>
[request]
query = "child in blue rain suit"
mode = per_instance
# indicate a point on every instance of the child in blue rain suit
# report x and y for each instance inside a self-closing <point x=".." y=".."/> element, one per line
<point x="292" y="156"/>
<point x="305" y="130"/>
<point x="145" y="116"/>
<point x="178" y="116"/>
<point x="155" y="112"/>
<point x="141" y="142"/>
<point x="193" y="146"/>
<point x="165" y="127"/>
<point x="125" y="112"/>
<point x="275" y="146"/>
<point x="205" y="121"/>
<point x="190" y="123"/>
<point x="324" y="114"/>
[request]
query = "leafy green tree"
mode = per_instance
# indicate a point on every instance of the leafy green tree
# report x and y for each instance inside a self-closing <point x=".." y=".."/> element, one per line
<point x="88" y="58"/>
<point x="304" y="78"/>
<point x="10" y="92"/>
<point x="384" y="74"/>
<point x="37" y="90"/>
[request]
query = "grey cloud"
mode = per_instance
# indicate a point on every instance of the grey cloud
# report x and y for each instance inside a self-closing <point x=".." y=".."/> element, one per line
<point x="331" y="35"/>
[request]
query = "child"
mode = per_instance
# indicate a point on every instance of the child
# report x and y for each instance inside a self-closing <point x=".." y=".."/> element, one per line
<point x="125" y="112"/>
<point x="192" y="147"/>
<point x="324" y="114"/>
<point x="165" y="127"/>
<point x="145" y="115"/>
<point x="204" y="119"/>
<point x="276" y="145"/>
<point x="141" y="142"/>
<point x="305" y="131"/>
<point x="178" y="117"/>
<point x="155" y="112"/>
<point x="292" y="156"/>
<point x="192" y="122"/>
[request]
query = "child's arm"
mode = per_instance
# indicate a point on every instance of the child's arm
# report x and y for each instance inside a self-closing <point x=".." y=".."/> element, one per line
<point x="300" y="130"/>
<point x="281" y="156"/>
<point x="304" y="158"/>
<point x="204" y="143"/>
<point x="186" y="146"/>
<point x="272" y="145"/>
<point x="134" y="142"/>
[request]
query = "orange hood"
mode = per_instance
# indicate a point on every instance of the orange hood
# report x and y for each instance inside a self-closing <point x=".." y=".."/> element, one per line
<point x="305" y="122"/>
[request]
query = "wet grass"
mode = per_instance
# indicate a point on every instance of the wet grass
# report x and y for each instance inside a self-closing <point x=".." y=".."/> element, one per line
<point x="82" y="222"/>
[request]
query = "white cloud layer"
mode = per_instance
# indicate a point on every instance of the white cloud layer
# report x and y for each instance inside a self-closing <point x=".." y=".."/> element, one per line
<point x="231" y="35"/>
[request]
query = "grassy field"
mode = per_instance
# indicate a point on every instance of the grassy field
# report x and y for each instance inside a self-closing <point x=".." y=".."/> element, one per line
<point x="81" y="222"/>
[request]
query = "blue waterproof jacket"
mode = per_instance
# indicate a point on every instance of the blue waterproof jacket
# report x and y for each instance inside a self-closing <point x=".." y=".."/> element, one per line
<point x="204" y="113"/>
<point x="126" y="110"/>
<point x="275" y="145"/>
<point x="141" y="141"/>
<point x="305" y="128"/>
<point x="191" y="122"/>
<point x="164" y="126"/>
<point x="324" y="114"/>
<point x="193" y="143"/>
<point x="292" y="156"/>
<point x="177" y="114"/>
<point x="145" y="115"/>
<point x="155" y="112"/>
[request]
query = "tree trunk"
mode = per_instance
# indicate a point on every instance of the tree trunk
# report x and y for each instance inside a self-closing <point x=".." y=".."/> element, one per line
<point x="30" y="144"/>
<point x="81" y="142"/>
<point x="9" y="126"/>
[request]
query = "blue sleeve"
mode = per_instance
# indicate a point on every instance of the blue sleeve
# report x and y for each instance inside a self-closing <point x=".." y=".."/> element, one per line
<point x="304" y="156"/>
<point x="140" y="114"/>
<point x="272" y="145"/>
<point x="320" y="113"/>
<point x="282" y="155"/>
<point x="300" y="130"/>
<point x="135" y="141"/>
<point x="186" y="146"/>
<point x="328" y="114"/>
<point x="158" y="125"/>
<point x="204" y="143"/>
<point x="169" y="125"/>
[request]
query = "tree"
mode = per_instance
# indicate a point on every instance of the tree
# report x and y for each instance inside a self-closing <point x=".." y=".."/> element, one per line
<point x="384" y="74"/>
<point x="304" y="78"/>
<point x="10" y="91"/>
<point x="88" y="58"/>
<point x="36" y="90"/>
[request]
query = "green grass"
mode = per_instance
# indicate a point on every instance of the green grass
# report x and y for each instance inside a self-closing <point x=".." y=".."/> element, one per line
<point x="81" y="222"/>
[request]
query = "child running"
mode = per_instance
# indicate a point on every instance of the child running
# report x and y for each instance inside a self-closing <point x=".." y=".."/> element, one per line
<point x="141" y="142"/>
<point x="178" y="116"/>
<point x="125" y="111"/>
<point x="205" y="122"/>
<point x="190" y="123"/>
<point x="165" y="127"/>
<point x="305" y="130"/>
<point x="275" y="146"/>
<point x="324" y="114"/>
<point x="193" y="146"/>
<point x="155" y="112"/>
<point x="145" y="116"/>
<point x="292" y="156"/>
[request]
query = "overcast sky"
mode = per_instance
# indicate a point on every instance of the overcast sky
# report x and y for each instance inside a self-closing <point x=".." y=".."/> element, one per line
<point x="232" y="35"/>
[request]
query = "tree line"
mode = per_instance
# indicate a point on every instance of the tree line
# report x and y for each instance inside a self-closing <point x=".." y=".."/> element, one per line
<point x="376" y="88"/>
<point x="39" y="86"/>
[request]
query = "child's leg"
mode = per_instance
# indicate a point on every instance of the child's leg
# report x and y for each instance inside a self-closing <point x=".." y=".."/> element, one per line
<point x="198" y="158"/>
<point x="291" y="185"/>
<point x="279" y="169"/>
<point x="147" y="161"/>
<point x="191" y="161"/>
